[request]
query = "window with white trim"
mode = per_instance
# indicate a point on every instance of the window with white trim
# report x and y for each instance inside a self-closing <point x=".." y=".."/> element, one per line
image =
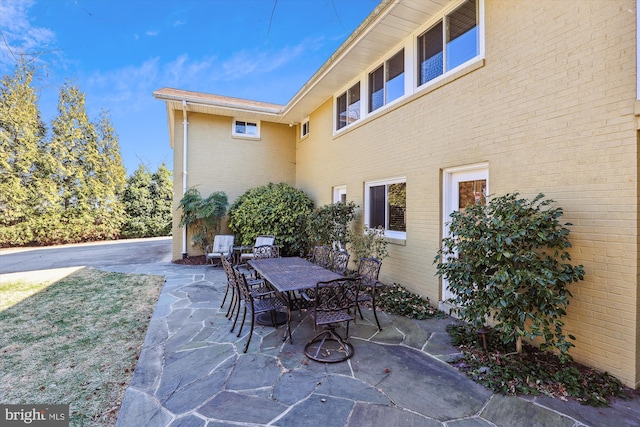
<point x="385" y="205"/>
<point x="304" y="128"/>
<point x="340" y="194"/>
<point x="386" y="82"/>
<point x="451" y="42"/>
<point x="246" y="129"/>
<point x="348" y="107"/>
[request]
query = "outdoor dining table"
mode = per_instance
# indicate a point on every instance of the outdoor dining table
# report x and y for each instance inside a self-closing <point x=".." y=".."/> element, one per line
<point x="289" y="276"/>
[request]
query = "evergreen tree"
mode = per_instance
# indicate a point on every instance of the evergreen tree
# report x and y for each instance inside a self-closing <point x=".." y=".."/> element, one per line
<point x="24" y="190"/>
<point x="162" y="197"/>
<point x="138" y="204"/>
<point x="74" y="146"/>
<point x="110" y="180"/>
<point x="147" y="201"/>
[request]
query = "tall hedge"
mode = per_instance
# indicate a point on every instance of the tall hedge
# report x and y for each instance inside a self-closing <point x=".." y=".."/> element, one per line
<point x="277" y="209"/>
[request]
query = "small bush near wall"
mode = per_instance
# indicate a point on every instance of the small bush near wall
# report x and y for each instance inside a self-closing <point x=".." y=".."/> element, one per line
<point x="277" y="209"/>
<point x="506" y="262"/>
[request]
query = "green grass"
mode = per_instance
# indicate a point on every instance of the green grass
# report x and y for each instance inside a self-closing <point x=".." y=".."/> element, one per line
<point x="74" y="341"/>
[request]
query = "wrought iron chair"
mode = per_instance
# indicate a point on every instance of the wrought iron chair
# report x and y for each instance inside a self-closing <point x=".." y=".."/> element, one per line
<point x="222" y="247"/>
<point x="266" y="251"/>
<point x="322" y="256"/>
<point x="266" y="303"/>
<point x="368" y="271"/>
<point x="249" y="252"/>
<point x="258" y="288"/>
<point x="333" y="303"/>
<point x="340" y="261"/>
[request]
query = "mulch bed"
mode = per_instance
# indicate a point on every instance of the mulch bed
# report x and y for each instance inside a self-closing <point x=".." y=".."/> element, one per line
<point x="192" y="260"/>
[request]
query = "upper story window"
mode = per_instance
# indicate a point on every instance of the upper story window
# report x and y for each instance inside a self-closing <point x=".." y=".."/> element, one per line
<point x="304" y="128"/>
<point x="385" y="206"/>
<point x="451" y="42"/>
<point x="246" y="129"/>
<point x="386" y="83"/>
<point x="348" y="107"/>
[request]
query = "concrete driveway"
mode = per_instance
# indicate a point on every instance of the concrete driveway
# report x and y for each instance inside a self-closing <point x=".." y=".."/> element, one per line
<point x="98" y="255"/>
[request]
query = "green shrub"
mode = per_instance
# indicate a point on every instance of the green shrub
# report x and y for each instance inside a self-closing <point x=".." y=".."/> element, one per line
<point x="395" y="299"/>
<point x="277" y="209"/>
<point x="507" y="261"/>
<point x="327" y="225"/>
<point x="370" y="243"/>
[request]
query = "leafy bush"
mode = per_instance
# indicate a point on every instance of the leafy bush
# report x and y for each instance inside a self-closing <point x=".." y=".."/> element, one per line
<point x="203" y="215"/>
<point x="395" y="299"/>
<point x="277" y="209"/>
<point x="507" y="261"/>
<point x="327" y="225"/>
<point x="370" y="243"/>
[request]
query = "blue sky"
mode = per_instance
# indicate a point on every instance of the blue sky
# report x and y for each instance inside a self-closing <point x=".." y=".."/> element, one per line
<point x="119" y="51"/>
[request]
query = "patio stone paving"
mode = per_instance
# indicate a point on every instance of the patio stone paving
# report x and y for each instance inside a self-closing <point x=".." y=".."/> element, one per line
<point x="192" y="373"/>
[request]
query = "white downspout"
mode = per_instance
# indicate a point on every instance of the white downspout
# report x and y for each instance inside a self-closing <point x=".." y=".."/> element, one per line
<point x="185" y="124"/>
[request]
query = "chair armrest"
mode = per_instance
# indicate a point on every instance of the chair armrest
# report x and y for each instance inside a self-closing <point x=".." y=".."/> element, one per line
<point x="306" y="296"/>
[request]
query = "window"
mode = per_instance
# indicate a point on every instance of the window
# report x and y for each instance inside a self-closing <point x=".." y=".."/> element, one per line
<point x="386" y="83"/>
<point x="451" y="42"/>
<point x="385" y="206"/>
<point x="348" y="107"/>
<point x="246" y="129"/>
<point x="304" y="129"/>
<point x="340" y="194"/>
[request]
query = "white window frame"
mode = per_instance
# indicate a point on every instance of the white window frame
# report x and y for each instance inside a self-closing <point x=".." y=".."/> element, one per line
<point x="385" y="79"/>
<point x="338" y="192"/>
<point x="443" y="18"/>
<point x="304" y="128"/>
<point x="236" y="134"/>
<point x="360" y="111"/>
<point x="400" y="235"/>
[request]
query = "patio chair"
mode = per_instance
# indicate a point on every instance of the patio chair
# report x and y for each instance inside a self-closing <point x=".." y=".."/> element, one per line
<point x="222" y="247"/>
<point x="368" y="271"/>
<point x="322" y="256"/>
<point x="266" y="303"/>
<point x="265" y="239"/>
<point x="333" y="302"/>
<point x="266" y="251"/>
<point x="339" y="261"/>
<point x="258" y="288"/>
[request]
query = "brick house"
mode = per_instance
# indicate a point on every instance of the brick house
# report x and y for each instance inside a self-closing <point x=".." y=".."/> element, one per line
<point x="443" y="99"/>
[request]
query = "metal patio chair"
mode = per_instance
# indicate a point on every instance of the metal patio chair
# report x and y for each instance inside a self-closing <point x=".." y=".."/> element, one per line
<point x="333" y="302"/>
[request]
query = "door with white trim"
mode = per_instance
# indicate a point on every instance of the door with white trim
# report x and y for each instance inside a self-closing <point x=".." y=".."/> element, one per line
<point x="462" y="186"/>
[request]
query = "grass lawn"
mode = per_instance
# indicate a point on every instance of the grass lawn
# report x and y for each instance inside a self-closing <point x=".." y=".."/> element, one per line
<point x="74" y="341"/>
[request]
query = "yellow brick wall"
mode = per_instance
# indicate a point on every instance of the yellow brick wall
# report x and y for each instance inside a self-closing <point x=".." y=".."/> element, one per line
<point x="218" y="162"/>
<point x="551" y="110"/>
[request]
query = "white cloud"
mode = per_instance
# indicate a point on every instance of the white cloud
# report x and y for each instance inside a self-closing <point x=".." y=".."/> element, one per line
<point x="19" y="35"/>
<point x="152" y="33"/>
<point x="179" y="23"/>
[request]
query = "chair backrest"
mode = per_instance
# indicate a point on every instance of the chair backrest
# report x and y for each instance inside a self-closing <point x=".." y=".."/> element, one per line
<point x="228" y="269"/>
<point x="322" y="256"/>
<point x="368" y="270"/>
<point x="266" y="251"/>
<point x="340" y="261"/>
<point x="265" y="239"/>
<point x="222" y="243"/>
<point x="242" y="287"/>
<point x="334" y="296"/>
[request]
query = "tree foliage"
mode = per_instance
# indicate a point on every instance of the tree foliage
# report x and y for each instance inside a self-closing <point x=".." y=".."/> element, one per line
<point x="147" y="202"/>
<point x="277" y="209"/>
<point x="202" y="217"/>
<point x="508" y="262"/>
<point x="327" y="225"/>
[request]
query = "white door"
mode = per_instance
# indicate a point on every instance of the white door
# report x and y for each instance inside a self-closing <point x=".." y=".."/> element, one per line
<point x="462" y="186"/>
